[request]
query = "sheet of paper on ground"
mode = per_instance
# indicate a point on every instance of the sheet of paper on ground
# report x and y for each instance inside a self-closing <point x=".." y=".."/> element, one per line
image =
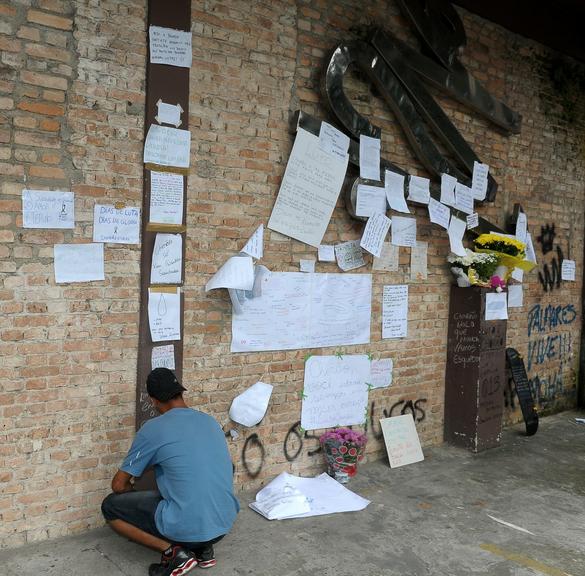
<point x="297" y="310"/>
<point x="48" y="209"/>
<point x="309" y="190"/>
<point x="335" y="391"/>
<point x="250" y="406"/>
<point x="401" y="439"/>
<point x="324" y="495"/>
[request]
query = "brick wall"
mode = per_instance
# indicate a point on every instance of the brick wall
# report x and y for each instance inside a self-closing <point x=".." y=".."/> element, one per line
<point x="71" y="109"/>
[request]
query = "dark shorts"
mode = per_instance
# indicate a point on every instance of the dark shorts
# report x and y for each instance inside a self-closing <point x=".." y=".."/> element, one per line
<point x="138" y="509"/>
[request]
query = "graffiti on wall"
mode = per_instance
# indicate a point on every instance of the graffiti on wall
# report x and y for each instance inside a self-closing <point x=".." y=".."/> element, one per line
<point x="550" y="275"/>
<point x="298" y="441"/>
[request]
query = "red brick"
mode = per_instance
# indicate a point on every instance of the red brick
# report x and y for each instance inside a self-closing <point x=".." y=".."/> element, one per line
<point x="50" y="20"/>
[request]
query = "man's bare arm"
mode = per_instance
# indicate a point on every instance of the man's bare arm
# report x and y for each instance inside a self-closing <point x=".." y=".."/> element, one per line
<point x="122" y="482"/>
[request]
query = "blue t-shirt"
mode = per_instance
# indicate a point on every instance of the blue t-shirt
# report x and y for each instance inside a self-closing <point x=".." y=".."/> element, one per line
<point x="193" y="471"/>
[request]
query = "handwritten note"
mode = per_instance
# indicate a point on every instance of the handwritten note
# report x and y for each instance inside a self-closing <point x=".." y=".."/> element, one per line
<point x="309" y="190"/>
<point x="480" y="180"/>
<point x="448" y="183"/>
<point x="163" y="357"/>
<point x="236" y="273"/>
<point x="78" y="262"/>
<point x="166" y="198"/>
<point x="164" y="315"/>
<point x="116" y="226"/>
<point x="326" y="253"/>
<point x="297" y="310"/>
<point x="568" y="270"/>
<point x="374" y="233"/>
<point x="333" y="141"/>
<point x="403" y="231"/>
<point x="518" y="274"/>
<point x="418" y="261"/>
<point x="402" y="441"/>
<point x="349" y="255"/>
<point x="388" y="260"/>
<point x="307" y="265"/>
<point x="463" y="198"/>
<point x="439" y="213"/>
<point x="255" y="245"/>
<point x="370" y="199"/>
<point x="166" y="146"/>
<point x="381" y="373"/>
<point x="48" y="209"/>
<point x="515" y="296"/>
<point x="456" y="230"/>
<point x="167" y="259"/>
<point x="170" y="47"/>
<point x="496" y="306"/>
<point x="168" y="113"/>
<point x="472" y="221"/>
<point x="521" y="226"/>
<point x="335" y="391"/>
<point x="369" y="157"/>
<point x="530" y="253"/>
<point x="395" y="311"/>
<point x="394" y="185"/>
<point x="419" y="189"/>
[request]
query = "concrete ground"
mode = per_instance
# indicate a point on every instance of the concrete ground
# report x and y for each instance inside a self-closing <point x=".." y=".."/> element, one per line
<point x="437" y="517"/>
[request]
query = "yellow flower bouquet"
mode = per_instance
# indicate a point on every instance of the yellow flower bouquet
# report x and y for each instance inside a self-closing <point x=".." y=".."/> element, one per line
<point x="510" y="252"/>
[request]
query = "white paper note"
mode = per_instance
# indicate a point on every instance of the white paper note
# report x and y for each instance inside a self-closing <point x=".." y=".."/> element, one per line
<point x="374" y="233"/>
<point x="369" y="157"/>
<point x="335" y="391"/>
<point x="439" y="213"/>
<point x="418" y="261"/>
<point x="166" y="198"/>
<point x="530" y="253"/>
<point x="163" y="357"/>
<point x="164" y="315"/>
<point x="167" y="259"/>
<point x="496" y="306"/>
<point x="168" y="113"/>
<point x="388" y="260"/>
<point x="309" y="191"/>
<point x="518" y="274"/>
<point x="456" y="230"/>
<point x="307" y="265"/>
<point x="394" y="186"/>
<point x="521" y="227"/>
<point x="326" y="253"/>
<point x="116" y="226"/>
<point x="403" y="231"/>
<point x="48" y="209"/>
<point x="250" y="406"/>
<point x="370" y="199"/>
<point x="78" y="262"/>
<point x="349" y="255"/>
<point x="166" y="146"/>
<point x="515" y="296"/>
<point x="333" y="141"/>
<point x="169" y="46"/>
<point x="381" y="373"/>
<point x="395" y="311"/>
<point x="402" y="441"/>
<point x="419" y="189"/>
<point x="299" y="310"/>
<point x="472" y="221"/>
<point x="237" y="273"/>
<point x="568" y="270"/>
<point x="480" y="180"/>
<point x="448" y="183"/>
<point x="255" y="245"/>
<point x="463" y="198"/>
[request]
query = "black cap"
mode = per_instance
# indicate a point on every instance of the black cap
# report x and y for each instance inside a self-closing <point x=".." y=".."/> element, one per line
<point x="163" y="385"/>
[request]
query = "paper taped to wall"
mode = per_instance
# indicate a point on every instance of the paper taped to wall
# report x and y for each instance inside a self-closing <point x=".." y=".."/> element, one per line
<point x="48" y="209"/>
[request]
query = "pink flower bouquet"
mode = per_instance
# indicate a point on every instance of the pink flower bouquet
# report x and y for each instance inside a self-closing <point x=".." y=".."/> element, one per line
<point x="343" y="449"/>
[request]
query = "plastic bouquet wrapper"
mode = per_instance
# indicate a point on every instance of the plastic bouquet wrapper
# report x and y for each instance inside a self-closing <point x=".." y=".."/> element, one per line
<point x="511" y="253"/>
<point x="343" y="449"/>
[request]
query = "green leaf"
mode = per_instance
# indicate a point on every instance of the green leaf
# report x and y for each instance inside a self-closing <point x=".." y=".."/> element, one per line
<point x="307" y="356"/>
<point x="339" y="355"/>
<point x="370" y="357"/>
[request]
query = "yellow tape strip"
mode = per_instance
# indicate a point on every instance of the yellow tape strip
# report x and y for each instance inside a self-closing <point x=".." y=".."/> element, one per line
<point x="524" y="560"/>
<point x="154" y="227"/>
<point x="157" y="288"/>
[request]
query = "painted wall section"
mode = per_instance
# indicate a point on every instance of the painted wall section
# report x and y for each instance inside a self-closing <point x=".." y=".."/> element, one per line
<point x="71" y="109"/>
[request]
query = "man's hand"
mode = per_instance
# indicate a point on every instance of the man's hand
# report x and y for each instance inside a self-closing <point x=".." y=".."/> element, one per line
<point x="122" y="482"/>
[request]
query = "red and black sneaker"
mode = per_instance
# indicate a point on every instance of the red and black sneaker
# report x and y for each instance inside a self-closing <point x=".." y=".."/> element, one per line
<point x="206" y="557"/>
<point x="181" y="562"/>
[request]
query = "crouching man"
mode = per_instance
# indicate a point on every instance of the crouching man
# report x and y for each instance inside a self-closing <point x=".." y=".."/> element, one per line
<point x="194" y="506"/>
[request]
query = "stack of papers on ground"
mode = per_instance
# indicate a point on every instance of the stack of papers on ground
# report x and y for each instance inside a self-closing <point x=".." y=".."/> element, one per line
<point x="289" y="496"/>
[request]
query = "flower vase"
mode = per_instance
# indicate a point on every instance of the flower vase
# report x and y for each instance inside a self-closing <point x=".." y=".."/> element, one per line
<point x="342" y="459"/>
